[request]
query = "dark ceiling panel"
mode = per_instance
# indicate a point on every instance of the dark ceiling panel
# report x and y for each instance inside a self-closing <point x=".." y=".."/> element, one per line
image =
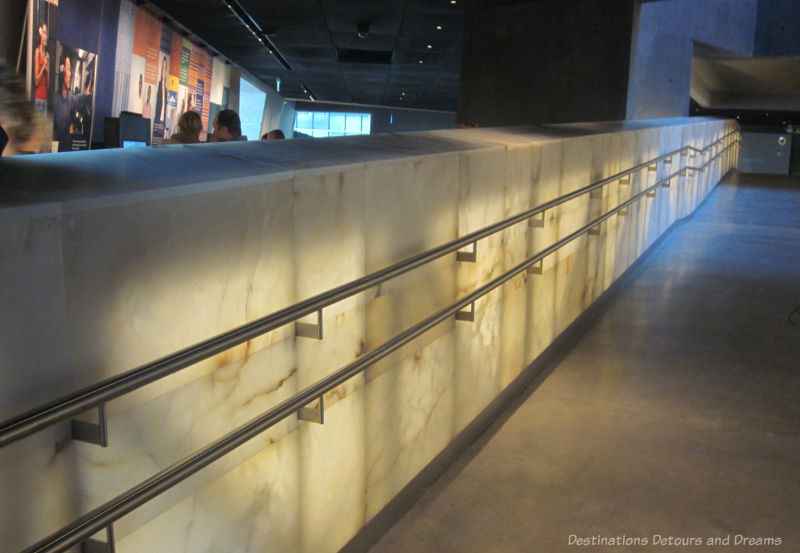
<point x="309" y="32"/>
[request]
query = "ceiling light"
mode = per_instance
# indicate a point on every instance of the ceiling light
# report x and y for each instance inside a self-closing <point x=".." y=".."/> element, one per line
<point x="402" y="94"/>
<point x="420" y="61"/>
<point x="438" y="27"/>
<point x="430" y="46"/>
<point x="311" y="95"/>
<point x="251" y="25"/>
<point x="452" y="1"/>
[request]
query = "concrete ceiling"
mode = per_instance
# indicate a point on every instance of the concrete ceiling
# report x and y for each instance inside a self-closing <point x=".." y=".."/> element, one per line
<point x="319" y="40"/>
<point x="750" y="83"/>
<point x="411" y="56"/>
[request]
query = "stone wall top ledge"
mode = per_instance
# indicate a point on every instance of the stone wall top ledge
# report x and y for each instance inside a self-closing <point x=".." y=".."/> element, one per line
<point x="144" y="173"/>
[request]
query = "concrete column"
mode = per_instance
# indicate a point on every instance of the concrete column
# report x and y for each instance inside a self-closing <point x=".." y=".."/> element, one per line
<point x="547" y="61"/>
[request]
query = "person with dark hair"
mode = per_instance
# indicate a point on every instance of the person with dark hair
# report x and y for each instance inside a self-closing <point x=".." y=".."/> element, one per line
<point x="227" y="127"/>
<point x="84" y="103"/>
<point x="63" y="102"/>
<point x="274" y="134"/>
<point x="189" y="127"/>
<point x="41" y="70"/>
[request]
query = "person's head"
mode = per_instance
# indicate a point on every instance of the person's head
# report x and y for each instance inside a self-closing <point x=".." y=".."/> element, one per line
<point x="190" y="123"/>
<point x="67" y="70"/>
<point x="274" y="134"/>
<point x="24" y="126"/>
<point x="43" y="34"/>
<point x="227" y="126"/>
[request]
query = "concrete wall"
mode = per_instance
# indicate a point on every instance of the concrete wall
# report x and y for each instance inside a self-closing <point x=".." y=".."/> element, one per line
<point x="777" y="28"/>
<point x="661" y="69"/>
<point x="546" y="62"/>
<point x="765" y="153"/>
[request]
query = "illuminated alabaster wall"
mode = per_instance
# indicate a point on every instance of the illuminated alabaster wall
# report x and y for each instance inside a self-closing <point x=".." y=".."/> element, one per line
<point x="135" y="254"/>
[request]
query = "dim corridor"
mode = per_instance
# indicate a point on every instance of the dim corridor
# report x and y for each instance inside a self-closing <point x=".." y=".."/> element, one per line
<point x="672" y="424"/>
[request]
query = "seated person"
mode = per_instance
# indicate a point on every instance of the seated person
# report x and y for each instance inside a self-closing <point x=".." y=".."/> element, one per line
<point x="227" y="127"/>
<point x="274" y="134"/>
<point x="189" y="127"/>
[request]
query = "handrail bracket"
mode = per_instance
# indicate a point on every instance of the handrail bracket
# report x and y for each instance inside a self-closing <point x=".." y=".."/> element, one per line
<point x="90" y="432"/>
<point x="536" y="268"/>
<point x="468" y="256"/>
<point x="309" y="330"/>
<point x="537" y="222"/>
<point x="313" y="414"/>
<point x="96" y="546"/>
<point x="464" y="315"/>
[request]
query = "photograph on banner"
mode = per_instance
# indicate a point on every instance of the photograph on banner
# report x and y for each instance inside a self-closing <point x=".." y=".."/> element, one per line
<point x="160" y="107"/>
<point x="71" y="99"/>
<point x="42" y="72"/>
<point x="138" y="91"/>
<point x="170" y="124"/>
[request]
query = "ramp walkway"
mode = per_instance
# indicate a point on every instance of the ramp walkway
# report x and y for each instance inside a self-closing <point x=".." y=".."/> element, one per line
<point x="672" y="424"/>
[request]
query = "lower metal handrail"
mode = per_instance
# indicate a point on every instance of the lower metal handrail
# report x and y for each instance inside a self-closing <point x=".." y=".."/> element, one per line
<point x="104" y="515"/>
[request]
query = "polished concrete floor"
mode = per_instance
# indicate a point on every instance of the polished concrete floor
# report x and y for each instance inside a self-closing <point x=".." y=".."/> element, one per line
<point x="675" y="416"/>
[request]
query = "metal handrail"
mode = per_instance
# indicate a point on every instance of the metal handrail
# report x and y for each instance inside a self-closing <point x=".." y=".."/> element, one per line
<point x="29" y="422"/>
<point x="106" y="514"/>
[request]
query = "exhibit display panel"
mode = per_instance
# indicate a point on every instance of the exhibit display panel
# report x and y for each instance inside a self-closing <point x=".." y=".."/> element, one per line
<point x="114" y="259"/>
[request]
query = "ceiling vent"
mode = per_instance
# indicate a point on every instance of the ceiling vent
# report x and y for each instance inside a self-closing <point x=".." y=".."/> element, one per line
<point x="381" y="57"/>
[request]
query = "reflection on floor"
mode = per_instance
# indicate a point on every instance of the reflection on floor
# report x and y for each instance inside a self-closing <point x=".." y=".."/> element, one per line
<point x="676" y="417"/>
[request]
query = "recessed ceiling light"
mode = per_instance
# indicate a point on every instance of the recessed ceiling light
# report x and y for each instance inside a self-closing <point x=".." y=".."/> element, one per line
<point x="452" y="1"/>
<point x="438" y="27"/>
<point x="420" y="61"/>
<point x="430" y="46"/>
<point x="402" y="94"/>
